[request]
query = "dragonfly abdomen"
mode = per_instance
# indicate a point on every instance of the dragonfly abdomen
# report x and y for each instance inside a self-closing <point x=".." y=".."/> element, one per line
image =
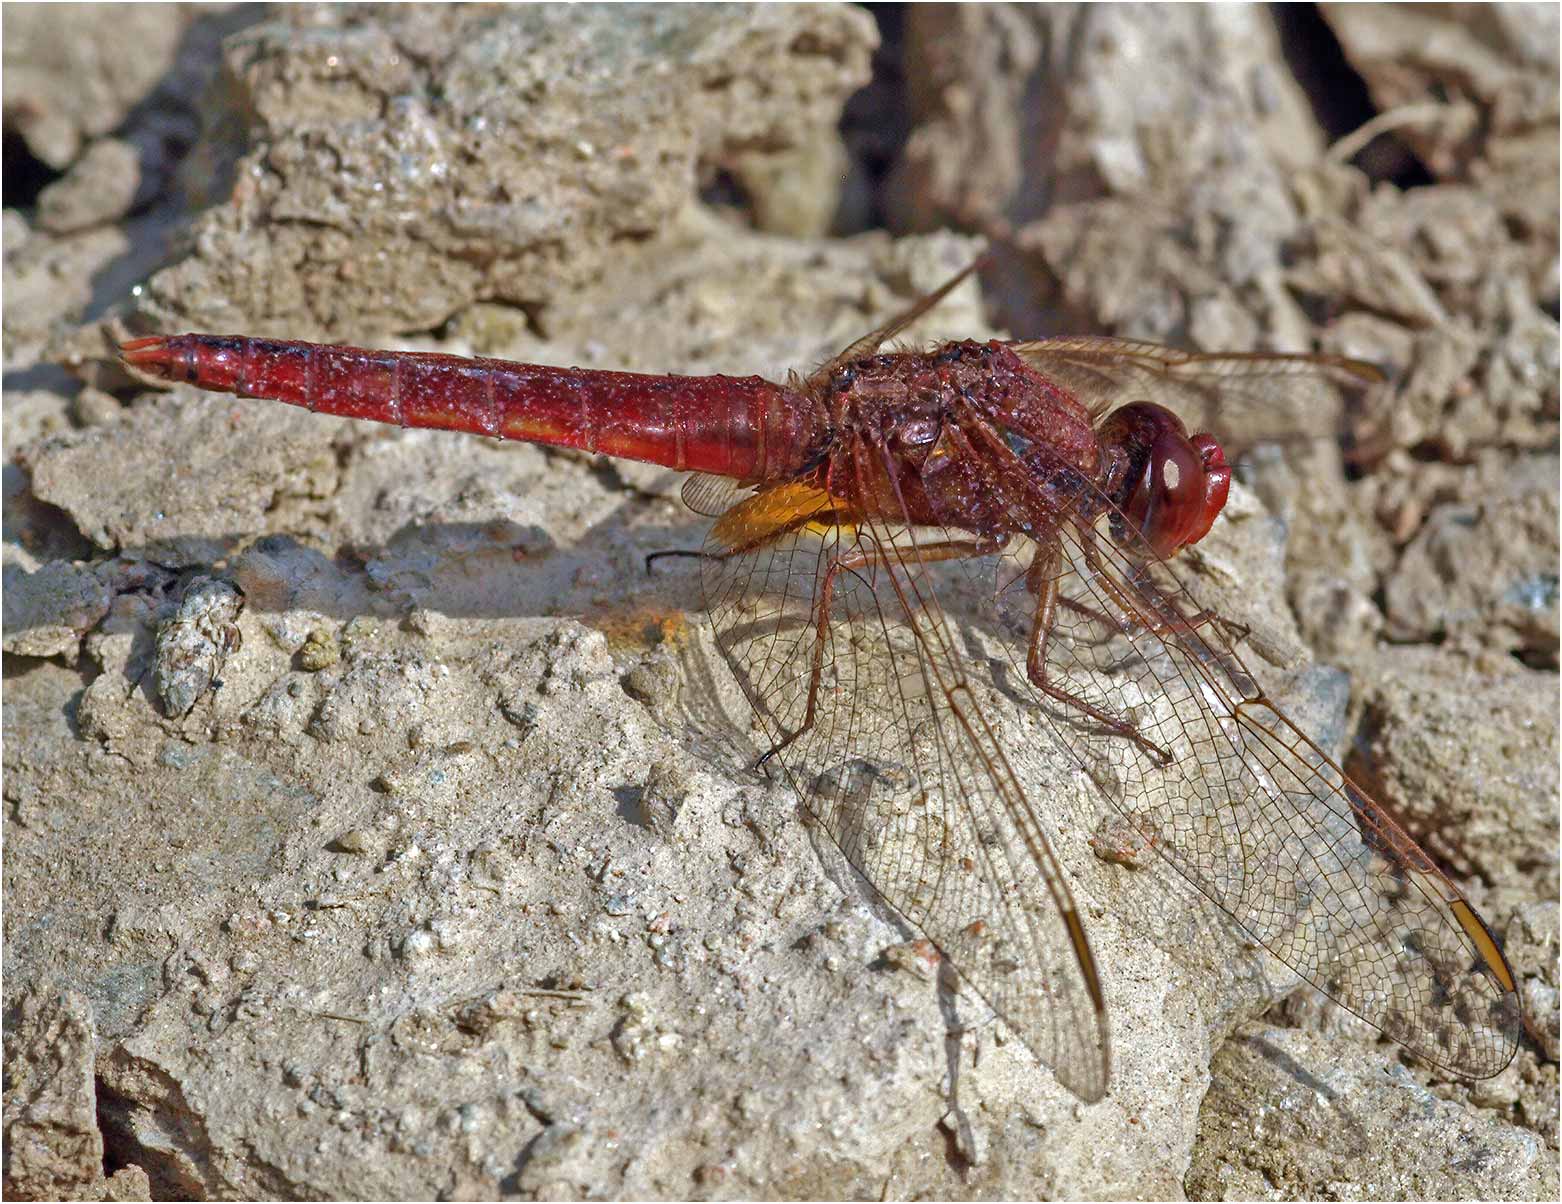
<point x="744" y="427"/>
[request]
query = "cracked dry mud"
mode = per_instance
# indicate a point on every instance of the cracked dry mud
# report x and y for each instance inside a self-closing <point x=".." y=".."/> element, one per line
<point x="457" y="883"/>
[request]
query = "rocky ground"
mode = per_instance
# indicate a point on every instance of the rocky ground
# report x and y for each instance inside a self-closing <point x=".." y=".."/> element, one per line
<point x="374" y="827"/>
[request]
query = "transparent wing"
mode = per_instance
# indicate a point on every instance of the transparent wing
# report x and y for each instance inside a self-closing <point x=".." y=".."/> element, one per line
<point x="710" y="495"/>
<point x="889" y="746"/>
<point x="1241" y="802"/>
<point x="874" y="339"/>
<point x="1245" y="398"/>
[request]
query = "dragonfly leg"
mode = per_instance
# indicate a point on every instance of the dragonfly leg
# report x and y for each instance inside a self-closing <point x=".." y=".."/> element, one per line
<point x="1099" y="617"/>
<point x="1174" y="621"/>
<point x="1167" y="619"/>
<point x="652" y="557"/>
<point x="1044" y="584"/>
<point x="860" y="558"/>
<point x="1236" y="631"/>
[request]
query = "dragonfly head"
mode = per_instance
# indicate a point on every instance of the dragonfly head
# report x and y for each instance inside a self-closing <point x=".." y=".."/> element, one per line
<point x="1168" y="484"/>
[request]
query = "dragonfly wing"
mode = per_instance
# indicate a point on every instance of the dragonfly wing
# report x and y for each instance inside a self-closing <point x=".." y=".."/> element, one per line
<point x="900" y="762"/>
<point x="1245" y="398"/>
<point x="869" y="343"/>
<point x="1252" y="812"/>
<point x="710" y="495"/>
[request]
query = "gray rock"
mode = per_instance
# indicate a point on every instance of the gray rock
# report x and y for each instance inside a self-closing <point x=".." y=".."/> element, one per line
<point x="408" y="163"/>
<point x="1286" y="1119"/>
<point x="423" y="901"/>
<point x="194" y="645"/>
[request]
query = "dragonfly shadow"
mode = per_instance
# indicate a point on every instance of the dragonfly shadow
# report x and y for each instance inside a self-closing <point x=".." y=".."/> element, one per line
<point x="502" y="570"/>
<point x="715" y="724"/>
<point x="461" y="570"/>
<point x="1288" y="1065"/>
<point x="48" y="609"/>
<point x="854" y="884"/>
<point x="962" y="1148"/>
<point x="714" y="733"/>
<point x="1352" y="1134"/>
<point x="485" y="571"/>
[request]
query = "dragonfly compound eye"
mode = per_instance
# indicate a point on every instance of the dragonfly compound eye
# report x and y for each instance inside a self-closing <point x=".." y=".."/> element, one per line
<point x="1183" y="488"/>
<point x="1170" y="486"/>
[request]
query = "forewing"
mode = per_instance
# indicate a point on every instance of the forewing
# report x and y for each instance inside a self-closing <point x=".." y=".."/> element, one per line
<point x="1244" y="398"/>
<point x="869" y="343"/>
<point x="1253" y="813"/>
<point x="899" y="761"/>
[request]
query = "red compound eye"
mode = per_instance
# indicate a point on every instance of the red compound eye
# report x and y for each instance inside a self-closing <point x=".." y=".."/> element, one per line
<point x="1174" y="497"/>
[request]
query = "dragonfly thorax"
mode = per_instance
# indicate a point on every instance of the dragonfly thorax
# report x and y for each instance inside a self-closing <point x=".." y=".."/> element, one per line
<point x="965" y="436"/>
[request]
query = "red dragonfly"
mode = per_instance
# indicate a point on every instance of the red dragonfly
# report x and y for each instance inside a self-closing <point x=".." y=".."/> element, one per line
<point x="900" y="517"/>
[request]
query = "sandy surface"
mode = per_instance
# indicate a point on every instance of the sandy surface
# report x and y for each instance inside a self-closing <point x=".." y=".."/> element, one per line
<point x="376" y="827"/>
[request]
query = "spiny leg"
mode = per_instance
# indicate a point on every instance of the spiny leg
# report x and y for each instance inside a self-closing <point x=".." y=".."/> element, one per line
<point x="1237" y="631"/>
<point x="1169" y="621"/>
<point x="1180" y="624"/>
<point x="1043" y="583"/>
<point x="859" y="558"/>
<point x="698" y="554"/>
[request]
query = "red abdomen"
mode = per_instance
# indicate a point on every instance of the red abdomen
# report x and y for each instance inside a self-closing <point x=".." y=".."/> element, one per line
<point x="744" y="427"/>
